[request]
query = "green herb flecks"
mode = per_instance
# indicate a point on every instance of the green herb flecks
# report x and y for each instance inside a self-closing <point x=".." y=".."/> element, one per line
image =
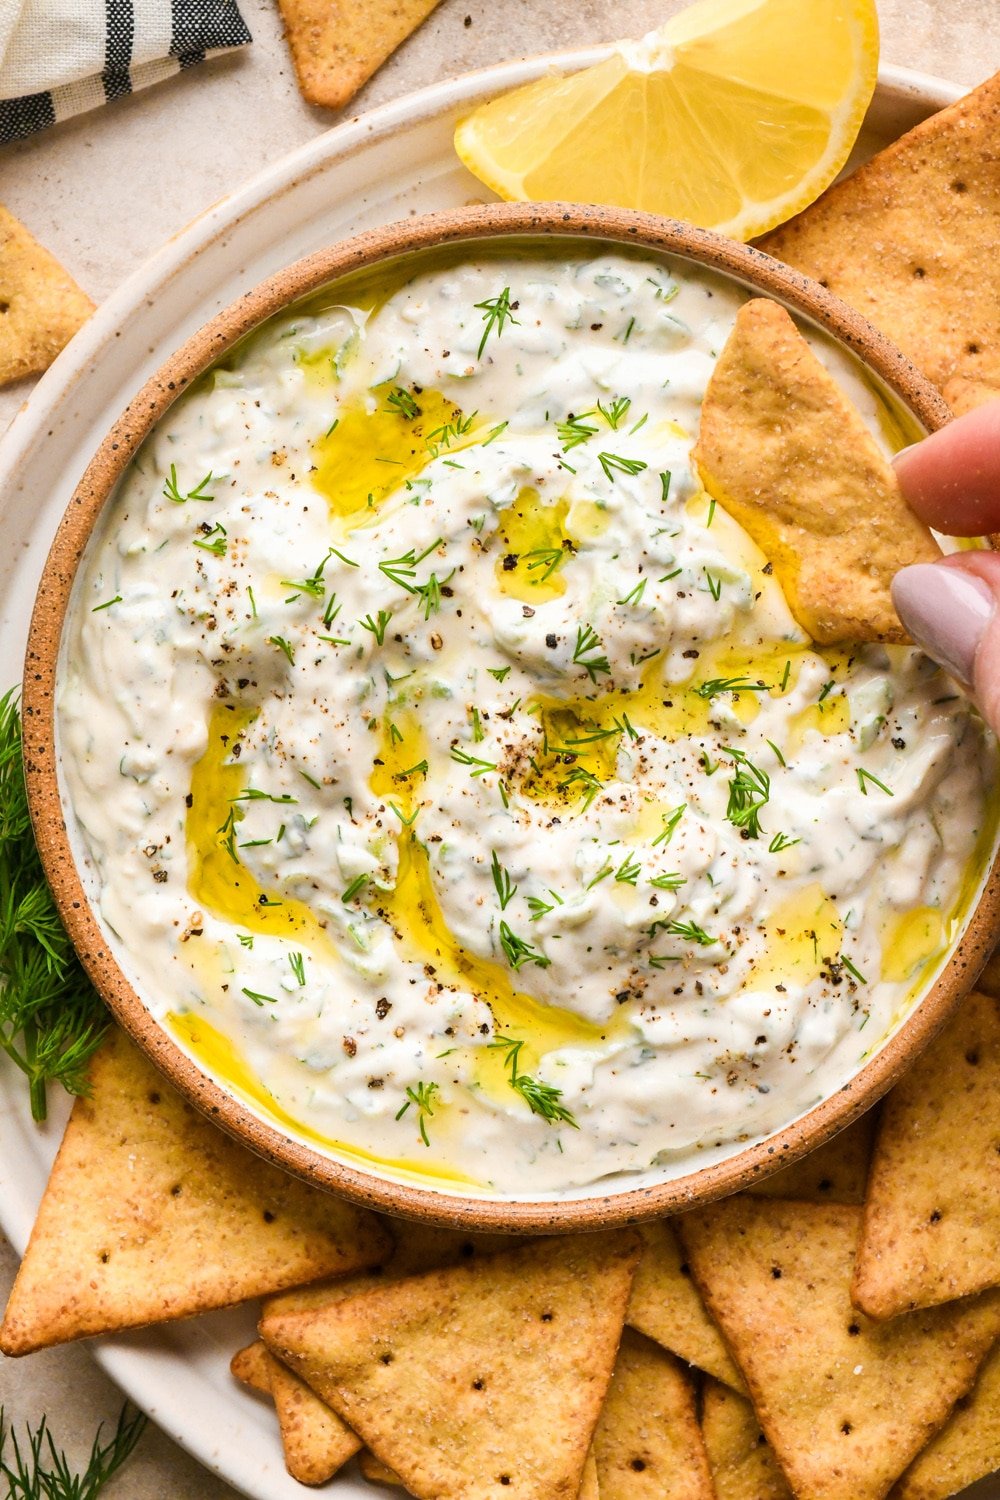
<point x="864" y="777"/>
<point x="749" y="791"/>
<point x="615" y="411"/>
<point x="479" y="767"/>
<point x="716" y="685"/>
<point x="172" y="491"/>
<point x="518" y="951"/>
<point x="403" y="402"/>
<point x="541" y="1098"/>
<point x="614" y="463"/>
<point x="497" y="313"/>
<point x="670" y="822"/>
<point x="425" y="1098"/>
<point x="51" y="1018"/>
<point x="377" y="627"/>
<point x="505" y="888"/>
<point x="575" y="430"/>
<point x="588" y="653"/>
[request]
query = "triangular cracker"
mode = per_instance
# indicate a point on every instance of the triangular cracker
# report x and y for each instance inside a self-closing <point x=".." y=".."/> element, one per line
<point x="965" y="1450"/>
<point x="782" y="449"/>
<point x="151" y="1213"/>
<point x="911" y="241"/>
<point x="666" y="1306"/>
<point x="932" y="1218"/>
<point x="739" y="1455"/>
<point x="648" y="1444"/>
<point x="337" y="45"/>
<point x="377" y="1472"/>
<point x="834" y="1173"/>
<point x="315" y="1442"/>
<point x="846" y="1403"/>
<point x="480" y="1382"/>
<point x="590" y="1488"/>
<point x="41" y="306"/>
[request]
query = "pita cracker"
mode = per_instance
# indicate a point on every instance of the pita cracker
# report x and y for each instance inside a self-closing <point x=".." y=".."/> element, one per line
<point x="648" y="1444"/>
<point x="590" y="1489"/>
<point x="151" y="1214"/>
<point x="666" y="1306"/>
<point x="988" y="982"/>
<point x="41" y="306"/>
<point x="911" y="240"/>
<point x="739" y="1455"/>
<point x="252" y="1366"/>
<point x="782" y="449"/>
<point x="315" y="1442"/>
<point x="483" y="1381"/>
<point x="834" y="1173"/>
<point x="965" y="1450"/>
<point x="337" y="45"/>
<point x="932" y="1217"/>
<point x="845" y="1403"/>
<point x="963" y="393"/>
<point x="377" y="1472"/>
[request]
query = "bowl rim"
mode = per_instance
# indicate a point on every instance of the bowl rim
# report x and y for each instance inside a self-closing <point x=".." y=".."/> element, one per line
<point x="601" y="1208"/>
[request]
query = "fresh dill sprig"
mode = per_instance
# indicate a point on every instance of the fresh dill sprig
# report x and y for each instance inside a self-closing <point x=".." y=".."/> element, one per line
<point x="615" y="411"/>
<point x="749" y="791"/>
<point x="353" y="888"/>
<point x="403" y="402"/>
<point x="172" y="491"/>
<point x="575" y="430"/>
<point x="689" y="930"/>
<point x="505" y="888"/>
<point x="498" y="672"/>
<point x="547" y="558"/>
<point x="38" y="1470"/>
<point x="670" y="821"/>
<point x="425" y="1097"/>
<point x="671" y="880"/>
<point x="297" y="964"/>
<point x="255" y="995"/>
<point x="465" y="759"/>
<point x="781" y="841"/>
<point x="852" y="970"/>
<point x="613" y="463"/>
<point x="628" y="871"/>
<point x="520" y="952"/>
<point x="716" y="685"/>
<point x="866" y="776"/>
<point x="106" y="605"/>
<point x="540" y="908"/>
<point x="541" y="1098"/>
<point x="51" y="1018"/>
<point x="496" y="313"/>
<point x="285" y="647"/>
<point x="214" y="539"/>
<point x="587" y="643"/>
<point x="377" y="626"/>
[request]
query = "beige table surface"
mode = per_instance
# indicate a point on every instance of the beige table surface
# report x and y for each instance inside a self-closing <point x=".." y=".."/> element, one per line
<point x="106" y="189"/>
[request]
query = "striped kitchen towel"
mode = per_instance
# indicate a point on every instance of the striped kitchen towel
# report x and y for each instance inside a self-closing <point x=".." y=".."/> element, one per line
<point x="60" y="57"/>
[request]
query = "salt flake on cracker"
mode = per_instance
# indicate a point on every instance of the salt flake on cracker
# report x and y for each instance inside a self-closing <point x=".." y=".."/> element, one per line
<point x="782" y="449"/>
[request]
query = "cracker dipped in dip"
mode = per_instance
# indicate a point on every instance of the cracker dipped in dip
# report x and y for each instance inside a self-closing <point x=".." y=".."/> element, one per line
<point x="459" y="786"/>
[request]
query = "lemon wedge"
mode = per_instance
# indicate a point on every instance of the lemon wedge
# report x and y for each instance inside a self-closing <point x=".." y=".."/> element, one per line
<point x="734" y="115"/>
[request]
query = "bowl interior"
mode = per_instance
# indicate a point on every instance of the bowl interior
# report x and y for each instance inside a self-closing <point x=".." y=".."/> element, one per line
<point x="907" y="404"/>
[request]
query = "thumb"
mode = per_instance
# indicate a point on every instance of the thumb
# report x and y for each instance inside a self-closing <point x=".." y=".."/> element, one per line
<point x="951" y="609"/>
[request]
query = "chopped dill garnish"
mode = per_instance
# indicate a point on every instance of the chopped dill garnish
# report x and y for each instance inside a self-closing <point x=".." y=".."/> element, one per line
<point x="498" y="672"/>
<point x="857" y="974"/>
<point x="716" y="685"/>
<point x="670" y="821"/>
<point x="635" y="597"/>
<point x="866" y="776"/>
<point x="353" y="888"/>
<point x="425" y="1097"/>
<point x="749" y="791"/>
<point x="285" y="647"/>
<point x="520" y="952"/>
<point x="214" y="540"/>
<point x="628" y="871"/>
<point x="496" y="313"/>
<point x="541" y="1098"/>
<point x="255" y="995"/>
<point x="403" y="402"/>
<point x="587" y="642"/>
<point x="665" y="478"/>
<point x="172" y="491"/>
<point x="548" y="558"/>
<point x="574" y="431"/>
<point x="377" y="626"/>
<point x="671" y="881"/>
<point x="613" y="463"/>
<point x="689" y="930"/>
<point x="505" y="888"/>
<point x="106" y="605"/>
<point x="714" y="586"/>
<point x="615" y="411"/>
<point x="465" y="759"/>
<point x="297" y="964"/>
<point x="781" y="841"/>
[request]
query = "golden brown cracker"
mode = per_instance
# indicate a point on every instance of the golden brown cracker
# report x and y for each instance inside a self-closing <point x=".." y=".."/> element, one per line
<point x="151" y="1214"/>
<point x="836" y="1172"/>
<point x="739" y="1455"/>
<point x="966" y="1449"/>
<point x="910" y="240"/>
<point x="483" y="1381"/>
<point x="315" y="1442"/>
<point x="782" y="449"/>
<point x="41" y="306"/>
<point x="846" y="1403"/>
<point x="648" y="1444"/>
<point x="337" y="45"/>
<point x="590" y="1488"/>
<point x="988" y="982"/>
<point x="252" y="1366"/>
<point x="376" y="1472"/>
<point x="931" y="1226"/>
<point x="666" y="1306"/>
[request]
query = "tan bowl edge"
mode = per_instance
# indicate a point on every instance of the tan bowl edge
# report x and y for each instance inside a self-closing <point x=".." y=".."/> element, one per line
<point x="601" y="1210"/>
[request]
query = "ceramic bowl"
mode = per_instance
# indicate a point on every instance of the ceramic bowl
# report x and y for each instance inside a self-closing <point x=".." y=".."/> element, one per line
<point x="619" y="1200"/>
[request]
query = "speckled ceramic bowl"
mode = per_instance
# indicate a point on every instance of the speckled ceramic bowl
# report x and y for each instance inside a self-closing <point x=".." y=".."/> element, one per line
<point x="620" y="1200"/>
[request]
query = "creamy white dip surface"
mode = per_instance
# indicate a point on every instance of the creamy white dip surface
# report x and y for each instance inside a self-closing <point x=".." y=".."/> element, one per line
<point x="457" y="784"/>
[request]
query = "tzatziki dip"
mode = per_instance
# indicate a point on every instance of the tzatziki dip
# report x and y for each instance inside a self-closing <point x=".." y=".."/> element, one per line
<point x="456" y="784"/>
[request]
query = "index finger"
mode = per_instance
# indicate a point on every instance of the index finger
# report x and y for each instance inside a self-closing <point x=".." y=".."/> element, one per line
<point x="952" y="479"/>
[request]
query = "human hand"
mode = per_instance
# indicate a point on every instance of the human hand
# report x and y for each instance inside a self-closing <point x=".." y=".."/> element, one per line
<point x="950" y="608"/>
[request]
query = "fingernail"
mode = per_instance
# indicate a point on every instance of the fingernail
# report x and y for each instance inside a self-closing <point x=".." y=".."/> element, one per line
<point x="946" y="612"/>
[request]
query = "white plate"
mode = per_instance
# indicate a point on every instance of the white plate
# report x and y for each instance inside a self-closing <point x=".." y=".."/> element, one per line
<point x="389" y="164"/>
